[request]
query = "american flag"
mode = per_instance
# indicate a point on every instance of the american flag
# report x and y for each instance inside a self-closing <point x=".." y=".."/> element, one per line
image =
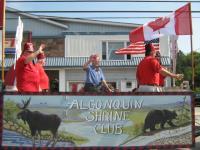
<point x="138" y="47"/>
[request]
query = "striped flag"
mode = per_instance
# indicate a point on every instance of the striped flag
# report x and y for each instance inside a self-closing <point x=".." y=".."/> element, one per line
<point x="138" y="47"/>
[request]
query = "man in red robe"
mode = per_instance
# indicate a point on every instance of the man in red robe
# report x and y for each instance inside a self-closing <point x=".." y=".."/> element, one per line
<point x="27" y="75"/>
<point x="148" y="72"/>
<point x="44" y="79"/>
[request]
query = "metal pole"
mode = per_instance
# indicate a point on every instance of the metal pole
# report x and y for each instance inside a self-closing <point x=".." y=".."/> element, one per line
<point x="174" y="70"/>
<point x="30" y="36"/>
<point x="192" y="65"/>
<point x="192" y="55"/>
<point x="3" y="41"/>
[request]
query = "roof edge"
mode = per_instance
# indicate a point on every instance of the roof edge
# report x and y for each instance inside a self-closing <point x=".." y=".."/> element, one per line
<point x="36" y="17"/>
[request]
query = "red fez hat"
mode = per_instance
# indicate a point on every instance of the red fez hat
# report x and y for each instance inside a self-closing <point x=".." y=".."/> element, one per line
<point x="28" y="47"/>
<point x="95" y="56"/>
<point x="41" y="56"/>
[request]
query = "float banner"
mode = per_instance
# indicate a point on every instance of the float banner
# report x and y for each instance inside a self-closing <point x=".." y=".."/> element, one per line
<point x="97" y="121"/>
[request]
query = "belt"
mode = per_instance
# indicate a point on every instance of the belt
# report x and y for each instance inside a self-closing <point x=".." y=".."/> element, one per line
<point x="91" y="85"/>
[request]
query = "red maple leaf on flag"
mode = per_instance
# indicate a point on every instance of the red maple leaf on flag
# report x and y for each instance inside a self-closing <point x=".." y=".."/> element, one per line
<point x="159" y="23"/>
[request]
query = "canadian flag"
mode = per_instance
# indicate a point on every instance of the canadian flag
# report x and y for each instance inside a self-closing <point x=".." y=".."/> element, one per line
<point x="177" y="23"/>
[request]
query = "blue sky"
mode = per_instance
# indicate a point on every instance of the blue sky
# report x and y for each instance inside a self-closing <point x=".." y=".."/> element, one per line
<point x="183" y="42"/>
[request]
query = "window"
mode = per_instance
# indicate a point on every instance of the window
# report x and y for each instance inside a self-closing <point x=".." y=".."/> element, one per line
<point x="109" y="48"/>
<point x="128" y="84"/>
<point x="128" y="56"/>
<point x="104" y="51"/>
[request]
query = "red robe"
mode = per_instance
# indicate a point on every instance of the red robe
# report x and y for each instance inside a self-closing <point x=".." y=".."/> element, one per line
<point x="161" y="80"/>
<point x="10" y="77"/>
<point x="27" y="76"/>
<point x="44" y="79"/>
<point x="147" y="72"/>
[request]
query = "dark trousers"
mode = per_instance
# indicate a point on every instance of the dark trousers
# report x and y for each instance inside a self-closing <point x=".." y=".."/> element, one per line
<point x="89" y="87"/>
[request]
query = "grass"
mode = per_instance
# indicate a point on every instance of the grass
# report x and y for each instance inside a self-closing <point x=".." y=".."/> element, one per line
<point x="137" y="117"/>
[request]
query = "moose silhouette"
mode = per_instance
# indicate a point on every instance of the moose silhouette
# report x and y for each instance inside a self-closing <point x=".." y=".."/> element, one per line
<point x="38" y="121"/>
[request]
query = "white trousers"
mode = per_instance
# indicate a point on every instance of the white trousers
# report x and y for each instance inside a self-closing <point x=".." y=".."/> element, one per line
<point x="149" y="88"/>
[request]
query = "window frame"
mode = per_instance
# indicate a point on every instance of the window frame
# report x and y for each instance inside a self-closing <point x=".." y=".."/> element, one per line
<point x="107" y="42"/>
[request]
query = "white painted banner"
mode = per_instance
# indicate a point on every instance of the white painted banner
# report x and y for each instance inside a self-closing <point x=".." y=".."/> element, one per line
<point x="100" y="120"/>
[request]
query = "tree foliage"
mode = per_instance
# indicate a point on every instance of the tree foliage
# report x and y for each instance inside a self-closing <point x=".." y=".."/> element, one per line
<point x="10" y="110"/>
<point x="184" y="64"/>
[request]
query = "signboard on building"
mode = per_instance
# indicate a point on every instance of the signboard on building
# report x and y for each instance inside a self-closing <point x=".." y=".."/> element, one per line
<point x="10" y="45"/>
<point x="98" y="121"/>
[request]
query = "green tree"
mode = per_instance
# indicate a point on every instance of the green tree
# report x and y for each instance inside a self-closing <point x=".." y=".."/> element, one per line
<point x="10" y="110"/>
<point x="184" y="66"/>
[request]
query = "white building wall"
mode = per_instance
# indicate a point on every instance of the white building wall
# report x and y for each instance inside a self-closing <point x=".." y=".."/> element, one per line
<point x="85" y="45"/>
<point x="125" y="88"/>
<point x="62" y="80"/>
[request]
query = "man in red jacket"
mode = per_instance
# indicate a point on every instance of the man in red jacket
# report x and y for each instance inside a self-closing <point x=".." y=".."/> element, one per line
<point x="148" y="71"/>
<point x="27" y="75"/>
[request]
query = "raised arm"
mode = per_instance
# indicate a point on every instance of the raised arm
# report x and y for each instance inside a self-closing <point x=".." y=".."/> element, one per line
<point x="34" y="55"/>
<point x="85" y="66"/>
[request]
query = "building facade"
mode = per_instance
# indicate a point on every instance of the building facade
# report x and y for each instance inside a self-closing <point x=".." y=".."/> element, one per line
<point x="70" y="42"/>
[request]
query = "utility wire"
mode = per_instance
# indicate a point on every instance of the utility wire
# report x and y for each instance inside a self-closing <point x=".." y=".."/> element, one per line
<point x="97" y="11"/>
<point x="57" y="17"/>
<point x="94" y="1"/>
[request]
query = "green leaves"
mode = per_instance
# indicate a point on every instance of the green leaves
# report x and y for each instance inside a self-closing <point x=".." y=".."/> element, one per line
<point x="184" y="65"/>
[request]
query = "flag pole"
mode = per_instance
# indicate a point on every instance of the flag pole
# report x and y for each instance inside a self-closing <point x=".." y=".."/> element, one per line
<point x="192" y="61"/>
<point x="3" y="41"/>
<point x="191" y="46"/>
<point x="30" y="36"/>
